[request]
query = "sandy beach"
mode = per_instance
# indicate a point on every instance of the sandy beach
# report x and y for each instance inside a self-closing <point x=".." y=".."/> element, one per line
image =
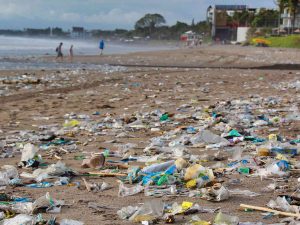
<point x="142" y="82"/>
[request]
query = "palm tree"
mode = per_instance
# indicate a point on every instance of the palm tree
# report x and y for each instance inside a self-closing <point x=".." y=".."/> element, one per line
<point x="282" y="4"/>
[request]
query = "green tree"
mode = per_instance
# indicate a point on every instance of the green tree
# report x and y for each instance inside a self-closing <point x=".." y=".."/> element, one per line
<point x="149" y="22"/>
<point x="243" y="18"/>
<point x="180" y="27"/>
<point x="266" y="18"/>
<point x="203" y="27"/>
<point x="282" y="4"/>
<point x="57" y="31"/>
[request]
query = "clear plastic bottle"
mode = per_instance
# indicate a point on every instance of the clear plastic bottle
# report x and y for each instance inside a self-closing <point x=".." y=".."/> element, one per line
<point x="158" y="167"/>
<point x="125" y="191"/>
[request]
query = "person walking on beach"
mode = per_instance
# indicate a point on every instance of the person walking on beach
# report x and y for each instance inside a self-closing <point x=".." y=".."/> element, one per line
<point x="59" y="51"/>
<point x="101" y="46"/>
<point x="71" y="53"/>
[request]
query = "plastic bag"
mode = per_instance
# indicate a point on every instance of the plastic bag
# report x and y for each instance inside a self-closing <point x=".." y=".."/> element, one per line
<point x="279" y="168"/>
<point x="222" y="219"/>
<point x="197" y="171"/>
<point x="22" y="207"/>
<point x="207" y="137"/>
<point x="19" y="219"/>
<point x="282" y="204"/>
<point x="181" y="163"/>
<point x="71" y="222"/>
<point x="243" y="192"/>
<point x="54" y="170"/>
<point x="151" y="209"/>
<point x="127" y="212"/>
<point x="8" y="172"/>
<point x="29" y="152"/>
<point x="216" y="193"/>
<point x="158" y="167"/>
<point x="46" y="201"/>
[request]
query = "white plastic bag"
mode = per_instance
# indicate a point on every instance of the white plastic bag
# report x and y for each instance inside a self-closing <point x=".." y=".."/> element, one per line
<point x="29" y="151"/>
<point x="71" y="222"/>
<point x="19" y="219"/>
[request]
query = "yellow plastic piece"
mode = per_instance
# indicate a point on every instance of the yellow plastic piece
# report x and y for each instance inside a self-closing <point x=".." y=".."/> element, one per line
<point x="191" y="184"/>
<point x="186" y="205"/>
<point x="273" y="137"/>
<point x="71" y="123"/>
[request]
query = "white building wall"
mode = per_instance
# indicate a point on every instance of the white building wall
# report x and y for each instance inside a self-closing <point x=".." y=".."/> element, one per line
<point x="242" y="34"/>
<point x="287" y="19"/>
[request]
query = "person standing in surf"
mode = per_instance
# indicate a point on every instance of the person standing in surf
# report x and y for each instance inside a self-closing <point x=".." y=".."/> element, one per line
<point x="101" y="46"/>
<point x="59" y="51"/>
<point x="71" y="53"/>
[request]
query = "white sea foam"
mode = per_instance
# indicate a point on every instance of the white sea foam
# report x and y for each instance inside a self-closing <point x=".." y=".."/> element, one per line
<point x="26" y="46"/>
<point x="16" y="52"/>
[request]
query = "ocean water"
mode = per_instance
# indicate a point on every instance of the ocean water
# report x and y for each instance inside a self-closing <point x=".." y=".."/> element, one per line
<point x="18" y="52"/>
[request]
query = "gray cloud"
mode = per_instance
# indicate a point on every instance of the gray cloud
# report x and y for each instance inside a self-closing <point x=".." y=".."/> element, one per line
<point x="105" y="14"/>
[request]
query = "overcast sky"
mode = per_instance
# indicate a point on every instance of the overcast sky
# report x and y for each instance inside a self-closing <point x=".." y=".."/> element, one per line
<point x="105" y="14"/>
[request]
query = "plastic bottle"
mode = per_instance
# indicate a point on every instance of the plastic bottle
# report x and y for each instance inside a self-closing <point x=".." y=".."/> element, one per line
<point x="158" y="167"/>
<point x="244" y="170"/>
<point x="166" y="179"/>
<point x="285" y="151"/>
<point x="125" y="191"/>
<point x="193" y="172"/>
<point x="164" y="117"/>
<point x="158" y="192"/>
<point x="127" y="212"/>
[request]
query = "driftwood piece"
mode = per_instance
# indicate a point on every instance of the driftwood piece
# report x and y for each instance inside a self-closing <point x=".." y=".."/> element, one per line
<point x="264" y="209"/>
<point x="103" y="174"/>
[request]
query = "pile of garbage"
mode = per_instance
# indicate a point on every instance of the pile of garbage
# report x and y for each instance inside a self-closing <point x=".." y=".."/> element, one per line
<point x="197" y="152"/>
<point x="12" y="84"/>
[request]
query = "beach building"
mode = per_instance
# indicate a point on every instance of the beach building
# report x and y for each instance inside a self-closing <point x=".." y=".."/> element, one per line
<point x="224" y="29"/>
<point x="191" y="38"/>
<point x="287" y="19"/>
<point x="79" y="32"/>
